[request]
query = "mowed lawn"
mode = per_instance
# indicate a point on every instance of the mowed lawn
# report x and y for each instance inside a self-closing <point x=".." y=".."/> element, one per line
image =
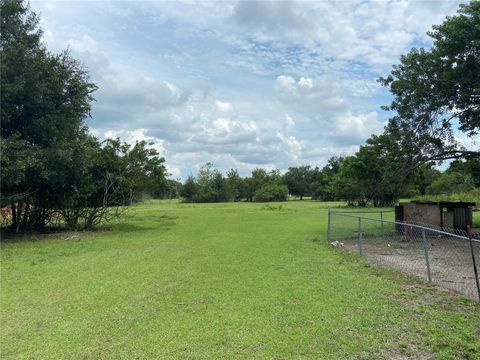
<point x="220" y="281"/>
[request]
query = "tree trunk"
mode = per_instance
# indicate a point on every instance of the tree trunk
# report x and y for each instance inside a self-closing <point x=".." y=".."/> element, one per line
<point x="14" y="216"/>
<point x="19" y="211"/>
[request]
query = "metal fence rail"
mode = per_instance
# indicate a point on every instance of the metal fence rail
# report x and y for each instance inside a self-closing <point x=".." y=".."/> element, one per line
<point x="447" y="257"/>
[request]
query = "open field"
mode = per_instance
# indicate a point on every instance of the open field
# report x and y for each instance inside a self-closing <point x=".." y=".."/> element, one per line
<point x="208" y="281"/>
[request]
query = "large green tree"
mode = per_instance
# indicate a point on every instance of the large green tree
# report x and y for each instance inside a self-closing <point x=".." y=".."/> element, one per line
<point x="45" y="99"/>
<point x="236" y="185"/>
<point x="371" y="175"/>
<point x="322" y="185"/>
<point x="298" y="179"/>
<point x="50" y="164"/>
<point x="437" y="91"/>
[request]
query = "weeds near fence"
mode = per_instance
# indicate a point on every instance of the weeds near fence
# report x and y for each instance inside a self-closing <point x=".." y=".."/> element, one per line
<point x="446" y="257"/>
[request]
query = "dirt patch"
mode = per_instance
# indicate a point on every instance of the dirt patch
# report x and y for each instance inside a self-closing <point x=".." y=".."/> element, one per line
<point x="449" y="259"/>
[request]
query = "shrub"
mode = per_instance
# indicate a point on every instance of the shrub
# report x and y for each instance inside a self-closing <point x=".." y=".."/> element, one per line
<point x="271" y="192"/>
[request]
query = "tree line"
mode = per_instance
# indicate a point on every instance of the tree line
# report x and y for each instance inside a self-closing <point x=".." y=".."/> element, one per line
<point x="360" y="180"/>
<point x="52" y="169"/>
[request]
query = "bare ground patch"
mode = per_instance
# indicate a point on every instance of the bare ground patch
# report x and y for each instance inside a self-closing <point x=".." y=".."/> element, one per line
<point x="450" y="260"/>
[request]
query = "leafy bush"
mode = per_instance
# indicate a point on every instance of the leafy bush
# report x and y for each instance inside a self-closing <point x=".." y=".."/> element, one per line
<point x="271" y="192"/>
<point x="450" y="183"/>
<point x="471" y="196"/>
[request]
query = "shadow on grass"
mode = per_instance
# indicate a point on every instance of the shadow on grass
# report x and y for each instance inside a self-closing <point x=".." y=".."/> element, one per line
<point x="158" y="223"/>
<point x="57" y="234"/>
<point x="147" y="223"/>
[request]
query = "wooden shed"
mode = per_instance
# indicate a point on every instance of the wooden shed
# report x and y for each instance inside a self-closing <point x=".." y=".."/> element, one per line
<point x="444" y="214"/>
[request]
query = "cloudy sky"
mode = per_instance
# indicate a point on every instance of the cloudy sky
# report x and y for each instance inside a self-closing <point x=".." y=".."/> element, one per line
<point x="240" y="84"/>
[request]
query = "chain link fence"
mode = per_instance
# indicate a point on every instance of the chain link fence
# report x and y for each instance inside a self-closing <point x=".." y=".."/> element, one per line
<point x="443" y="256"/>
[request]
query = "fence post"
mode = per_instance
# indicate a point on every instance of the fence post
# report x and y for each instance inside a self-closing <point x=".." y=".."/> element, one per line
<point x="469" y="233"/>
<point x="383" y="228"/>
<point x="329" y="228"/>
<point x="427" y="260"/>
<point x="360" y="234"/>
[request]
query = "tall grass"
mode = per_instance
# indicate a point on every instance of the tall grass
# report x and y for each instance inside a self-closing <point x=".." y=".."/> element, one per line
<point x="471" y="196"/>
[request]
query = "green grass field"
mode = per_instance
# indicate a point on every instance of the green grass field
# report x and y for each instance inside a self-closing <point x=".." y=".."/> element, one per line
<point x="220" y="281"/>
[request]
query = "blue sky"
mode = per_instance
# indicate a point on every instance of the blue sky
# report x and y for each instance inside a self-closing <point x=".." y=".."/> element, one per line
<point x="240" y="84"/>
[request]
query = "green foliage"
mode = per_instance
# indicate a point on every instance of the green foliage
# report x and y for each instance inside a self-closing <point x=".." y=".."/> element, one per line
<point x="211" y="186"/>
<point x="469" y="167"/>
<point x="449" y="183"/>
<point x="322" y="185"/>
<point x="470" y="196"/>
<point x="299" y="180"/>
<point x="422" y="179"/>
<point x="45" y="99"/>
<point x="437" y="88"/>
<point x="107" y="177"/>
<point x="189" y="190"/>
<point x="373" y="175"/>
<point x="51" y="166"/>
<point x="271" y="192"/>
<point x="236" y="185"/>
<point x="171" y="190"/>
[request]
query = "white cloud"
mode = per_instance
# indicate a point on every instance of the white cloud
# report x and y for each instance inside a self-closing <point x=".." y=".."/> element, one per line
<point x="133" y="136"/>
<point x="222" y="106"/>
<point x="326" y="110"/>
<point x="356" y="128"/>
<point x="240" y="84"/>
<point x="225" y="131"/>
<point x="375" y="33"/>
<point x="289" y="122"/>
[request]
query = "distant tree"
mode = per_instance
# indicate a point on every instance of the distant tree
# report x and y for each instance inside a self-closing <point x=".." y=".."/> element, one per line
<point x="208" y="186"/>
<point x="220" y="188"/>
<point x="249" y="188"/>
<point x="469" y="167"/>
<point x="451" y="182"/>
<point x="298" y="180"/>
<point x="258" y="178"/>
<point x="189" y="190"/>
<point x="322" y="185"/>
<point x="205" y="181"/>
<point x="438" y="88"/>
<point x="271" y="192"/>
<point x="371" y="175"/>
<point x="423" y="177"/>
<point x="236" y="185"/>
<point x="349" y="185"/>
<point x="171" y="190"/>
